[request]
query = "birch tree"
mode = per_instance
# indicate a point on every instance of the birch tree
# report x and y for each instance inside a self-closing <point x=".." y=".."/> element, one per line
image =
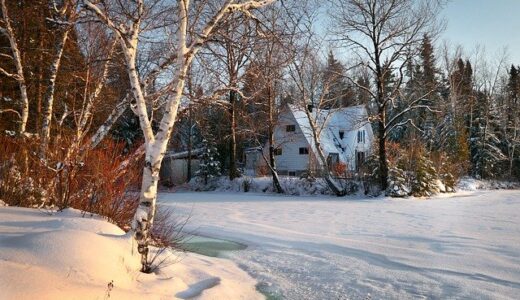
<point x="383" y="34"/>
<point x="64" y="16"/>
<point x="129" y="29"/>
<point x="6" y="29"/>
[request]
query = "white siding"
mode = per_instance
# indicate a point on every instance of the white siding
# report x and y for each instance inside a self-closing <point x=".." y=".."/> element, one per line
<point x="290" y="142"/>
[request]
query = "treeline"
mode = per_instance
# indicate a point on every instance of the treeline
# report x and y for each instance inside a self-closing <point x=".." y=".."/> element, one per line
<point x="70" y="79"/>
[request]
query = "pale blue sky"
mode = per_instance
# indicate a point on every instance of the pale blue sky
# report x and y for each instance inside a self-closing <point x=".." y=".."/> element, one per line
<point x="490" y="23"/>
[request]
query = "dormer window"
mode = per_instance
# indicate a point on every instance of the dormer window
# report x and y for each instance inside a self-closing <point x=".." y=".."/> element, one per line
<point x="361" y="136"/>
<point x="341" y="134"/>
<point x="290" y="128"/>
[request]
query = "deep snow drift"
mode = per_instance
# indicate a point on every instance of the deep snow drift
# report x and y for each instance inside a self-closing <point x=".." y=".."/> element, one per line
<point x="66" y="256"/>
<point x="465" y="245"/>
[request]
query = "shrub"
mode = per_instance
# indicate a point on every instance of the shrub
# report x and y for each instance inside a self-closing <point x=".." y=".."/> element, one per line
<point x="339" y="169"/>
<point x="89" y="180"/>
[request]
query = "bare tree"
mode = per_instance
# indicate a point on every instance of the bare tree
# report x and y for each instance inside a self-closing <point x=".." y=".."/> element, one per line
<point x="313" y="87"/>
<point x="229" y="52"/>
<point x="129" y="28"/>
<point x="384" y="34"/>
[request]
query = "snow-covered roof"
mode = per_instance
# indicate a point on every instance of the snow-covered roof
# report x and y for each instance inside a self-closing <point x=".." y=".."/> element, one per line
<point x="329" y="123"/>
<point x="183" y="154"/>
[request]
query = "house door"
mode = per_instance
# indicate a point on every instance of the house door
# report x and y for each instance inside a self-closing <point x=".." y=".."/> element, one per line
<point x="332" y="159"/>
<point x="360" y="159"/>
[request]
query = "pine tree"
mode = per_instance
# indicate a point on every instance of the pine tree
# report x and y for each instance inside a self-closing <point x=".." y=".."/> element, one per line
<point x="429" y="85"/>
<point x="339" y="92"/>
<point x="425" y="181"/>
<point x="485" y="142"/>
<point x="209" y="166"/>
<point x="511" y="129"/>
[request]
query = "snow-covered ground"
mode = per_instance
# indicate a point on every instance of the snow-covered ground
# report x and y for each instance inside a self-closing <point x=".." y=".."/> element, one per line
<point x="463" y="246"/>
<point x="67" y="256"/>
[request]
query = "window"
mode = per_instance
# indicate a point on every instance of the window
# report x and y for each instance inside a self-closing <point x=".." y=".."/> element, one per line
<point x="277" y="151"/>
<point x="290" y="128"/>
<point x="360" y="159"/>
<point x="341" y="134"/>
<point x="361" y="136"/>
<point x="304" y="150"/>
<point x="292" y="173"/>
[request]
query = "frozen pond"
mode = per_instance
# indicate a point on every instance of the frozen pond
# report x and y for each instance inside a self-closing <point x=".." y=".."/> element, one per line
<point x="211" y="246"/>
<point x="464" y="247"/>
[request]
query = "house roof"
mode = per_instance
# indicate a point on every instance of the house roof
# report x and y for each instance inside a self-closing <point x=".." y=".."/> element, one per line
<point x="329" y="123"/>
<point x="183" y="154"/>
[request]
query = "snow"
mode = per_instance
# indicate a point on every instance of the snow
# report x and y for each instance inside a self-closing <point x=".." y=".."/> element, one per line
<point x="291" y="185"/>
<point x="66" y="256"/>
<point x="456" y="246"/>
<point x="472" y="184"/>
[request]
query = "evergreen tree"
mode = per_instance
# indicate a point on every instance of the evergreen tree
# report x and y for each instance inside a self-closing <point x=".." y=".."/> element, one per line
<point x="209" y="164"/>
<point x="511" y="130"/>
<point x="340" y="94"/>
<point x="425" y="181"/>
<point x="397" y="183"/>
<point x="486" y="154"/>
<point x="429" y="70"/>
<point x="429" y="85"/>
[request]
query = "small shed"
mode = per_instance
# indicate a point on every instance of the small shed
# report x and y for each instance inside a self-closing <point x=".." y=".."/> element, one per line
<point x="174" y="168"/>
<point x="254" y="161"/>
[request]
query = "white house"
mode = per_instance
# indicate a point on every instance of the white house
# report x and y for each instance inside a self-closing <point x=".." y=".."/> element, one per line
<point x="345" y="137"/>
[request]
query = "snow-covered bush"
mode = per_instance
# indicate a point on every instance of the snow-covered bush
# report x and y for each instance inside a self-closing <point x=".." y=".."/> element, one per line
<point x="397" y="183"/>
<point x="291" y="185"/>
<point x="18" y="187"/>
<point x="369" y="174"/>
<point x="472" y="184"/>
<point x="449" y="182"/>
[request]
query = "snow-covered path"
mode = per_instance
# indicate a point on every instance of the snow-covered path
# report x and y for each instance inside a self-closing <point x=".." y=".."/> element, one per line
<point x="467" y="246"/>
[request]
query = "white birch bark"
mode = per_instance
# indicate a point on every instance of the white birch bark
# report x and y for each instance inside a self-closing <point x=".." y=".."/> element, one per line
<point x="49" y="94"/>
<point x="103" y="130"/>
<point x="19" y="76"/>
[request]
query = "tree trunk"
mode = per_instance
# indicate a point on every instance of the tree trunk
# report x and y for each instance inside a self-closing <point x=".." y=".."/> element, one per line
<point x="233" y="173"/>
<point x="189" y="142"/>
<point x="272" y="161"/>
<point x="103" y="130"/>
<point x="49" y="94"/>
<point x="383" y="164"/>
<point x="144" y="216"/>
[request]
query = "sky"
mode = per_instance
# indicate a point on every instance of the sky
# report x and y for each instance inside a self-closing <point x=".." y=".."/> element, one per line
<point x="493" y="24"/>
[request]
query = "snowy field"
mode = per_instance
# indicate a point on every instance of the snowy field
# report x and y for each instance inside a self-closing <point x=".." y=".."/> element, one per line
<point x="68" y="256"/>
<point x="460" y="247"/>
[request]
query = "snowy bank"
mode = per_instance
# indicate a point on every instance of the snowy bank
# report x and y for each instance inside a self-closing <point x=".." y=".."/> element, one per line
<point x="472" y="184"/>
<point x="67" y="256"/>
<point x="317" y="186"/>
<point x="291" y="185"/>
